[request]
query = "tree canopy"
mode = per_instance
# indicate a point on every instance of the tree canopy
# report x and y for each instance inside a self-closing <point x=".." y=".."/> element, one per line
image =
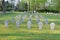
<point x="33" y="4"/>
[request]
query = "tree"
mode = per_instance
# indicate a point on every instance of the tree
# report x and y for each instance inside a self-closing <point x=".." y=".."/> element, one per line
<point x="3" y="7"/>
<point x="0" y="5"/>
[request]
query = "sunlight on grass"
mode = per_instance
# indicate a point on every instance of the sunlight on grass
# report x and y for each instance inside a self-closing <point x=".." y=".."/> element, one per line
<point x="22" y="33"/>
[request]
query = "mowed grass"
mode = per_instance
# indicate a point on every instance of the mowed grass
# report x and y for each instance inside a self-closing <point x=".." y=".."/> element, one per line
<point x="22" y="33"/>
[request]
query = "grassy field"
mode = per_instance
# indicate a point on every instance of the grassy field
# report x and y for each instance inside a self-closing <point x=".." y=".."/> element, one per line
<point x="22" y="33"/>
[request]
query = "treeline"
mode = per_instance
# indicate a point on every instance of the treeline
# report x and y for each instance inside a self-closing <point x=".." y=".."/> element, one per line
<point x="9" y="7"/>
<point x="32" y="5"/>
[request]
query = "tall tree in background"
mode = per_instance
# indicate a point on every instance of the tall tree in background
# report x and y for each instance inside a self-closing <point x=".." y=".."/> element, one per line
<point x="58" y="5"/>
<point x="0" y="5"/>
<point x="3" y="6"/>
<point x="37" y="4"/>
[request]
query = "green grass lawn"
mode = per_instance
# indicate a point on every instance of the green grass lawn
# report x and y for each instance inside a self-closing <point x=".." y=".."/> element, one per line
<point x="22" y="33"/>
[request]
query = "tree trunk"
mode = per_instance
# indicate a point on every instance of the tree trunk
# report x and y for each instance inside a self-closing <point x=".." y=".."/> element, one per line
<point x="3" y="7"/>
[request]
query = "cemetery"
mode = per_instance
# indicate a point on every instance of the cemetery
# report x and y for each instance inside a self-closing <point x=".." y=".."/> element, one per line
<point x="30" y="24"/>
<point x="29" y="29"/>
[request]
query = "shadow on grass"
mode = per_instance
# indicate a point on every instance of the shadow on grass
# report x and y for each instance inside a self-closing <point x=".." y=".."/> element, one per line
<point x="32" y="36"/>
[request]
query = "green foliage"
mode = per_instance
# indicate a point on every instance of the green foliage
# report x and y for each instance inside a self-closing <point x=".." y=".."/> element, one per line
<point x="36" y="5"/>
<point x="22" y="6"/>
